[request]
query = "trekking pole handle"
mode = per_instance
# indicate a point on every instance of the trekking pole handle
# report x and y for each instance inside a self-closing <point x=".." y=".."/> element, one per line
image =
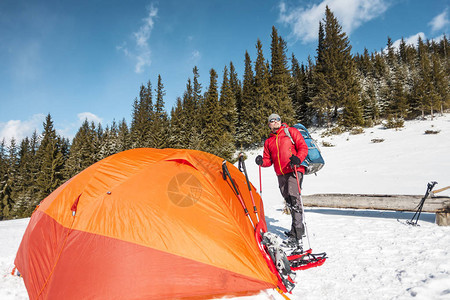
<point x="227" y="173"/>
<point x="244" y="169"/>
<point x="241" y="160"/>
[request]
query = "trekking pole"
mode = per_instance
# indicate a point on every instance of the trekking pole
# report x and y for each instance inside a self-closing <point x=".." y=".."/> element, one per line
<point x="225" y="174"/>
<point x="301" y="203"/>
<point x="260" y="182"/>
<point x="430" y="187"/>
<point x="242" y="164"/>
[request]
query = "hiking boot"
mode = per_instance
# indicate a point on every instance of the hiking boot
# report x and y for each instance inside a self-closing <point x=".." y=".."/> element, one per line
<point x="288" y="234"/>
<point x="292" y="242"/>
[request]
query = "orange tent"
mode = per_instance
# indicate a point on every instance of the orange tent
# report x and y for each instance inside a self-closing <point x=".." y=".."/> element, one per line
<point x="145" y="224"/>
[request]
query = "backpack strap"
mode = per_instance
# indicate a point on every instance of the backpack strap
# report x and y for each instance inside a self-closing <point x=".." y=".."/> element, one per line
<point x="286" y="131"/>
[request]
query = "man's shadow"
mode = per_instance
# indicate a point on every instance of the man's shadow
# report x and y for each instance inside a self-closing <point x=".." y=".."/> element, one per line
<point x="274" y="229"/>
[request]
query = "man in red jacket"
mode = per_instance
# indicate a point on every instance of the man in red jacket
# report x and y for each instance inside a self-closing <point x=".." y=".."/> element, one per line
<point x="283" y="152"/>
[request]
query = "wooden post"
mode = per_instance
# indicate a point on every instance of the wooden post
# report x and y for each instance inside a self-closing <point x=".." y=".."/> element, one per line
<point x="443" y="218"/>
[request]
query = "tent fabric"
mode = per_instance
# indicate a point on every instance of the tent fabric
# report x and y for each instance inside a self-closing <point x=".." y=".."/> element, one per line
<point x="145" y="224"/>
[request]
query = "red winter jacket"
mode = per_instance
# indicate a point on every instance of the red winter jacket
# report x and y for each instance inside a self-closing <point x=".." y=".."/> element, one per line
<point x="278" y="148"/>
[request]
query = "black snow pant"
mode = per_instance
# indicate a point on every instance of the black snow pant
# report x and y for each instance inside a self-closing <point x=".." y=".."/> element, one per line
<point x="289" y="190"/>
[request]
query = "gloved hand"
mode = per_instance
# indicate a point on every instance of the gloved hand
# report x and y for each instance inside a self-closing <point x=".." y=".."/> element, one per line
<point x="295" y="161"/>
<point x="259" y="160"/>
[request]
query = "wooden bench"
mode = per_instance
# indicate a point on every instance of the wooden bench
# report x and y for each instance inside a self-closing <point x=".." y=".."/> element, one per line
<point x="435" y="204"/>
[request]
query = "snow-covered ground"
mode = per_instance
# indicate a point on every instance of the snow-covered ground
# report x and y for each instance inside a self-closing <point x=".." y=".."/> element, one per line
<point x="371" y="255"/>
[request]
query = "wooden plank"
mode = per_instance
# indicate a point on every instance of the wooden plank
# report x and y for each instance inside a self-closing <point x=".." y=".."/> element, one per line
<point x="380" y="202"/>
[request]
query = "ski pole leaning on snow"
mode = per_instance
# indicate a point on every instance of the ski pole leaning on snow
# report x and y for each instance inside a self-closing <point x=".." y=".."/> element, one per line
<point x="430" y="187"/>
<point x="226" y="174"/>
<point x="242" y="168"/>
<point x="260" y="182"/>
<point x="301" y="204"/>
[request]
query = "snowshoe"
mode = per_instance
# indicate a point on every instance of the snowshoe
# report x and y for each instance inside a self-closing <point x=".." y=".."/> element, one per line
<point x="306" y="260"/>
<point x="292" y="245"/>
<point x="283" y="265"/>
<point x="276" y="259"/>
<point x="299" y="259"/>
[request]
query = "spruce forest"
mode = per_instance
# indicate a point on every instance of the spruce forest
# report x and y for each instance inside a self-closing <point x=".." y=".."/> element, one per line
<point x="336" y="89"/>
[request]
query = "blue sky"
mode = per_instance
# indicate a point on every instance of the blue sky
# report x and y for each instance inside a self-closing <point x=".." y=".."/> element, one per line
<point x="87" y="59"/>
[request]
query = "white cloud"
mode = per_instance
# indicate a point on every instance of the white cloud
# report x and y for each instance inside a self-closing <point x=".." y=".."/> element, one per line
<point x="19" y="129"/>
<point x="351" y="14"/>
<point x="69" y="128"/>
<point x="90" y="117"/>
<point x="141" y="53"/>
<point x="411" y="40"/>
<point x="440" y="22"/>
<point x="143" y="34"/>
<point x="439" y="38"/>
<point x="195" y="55"/>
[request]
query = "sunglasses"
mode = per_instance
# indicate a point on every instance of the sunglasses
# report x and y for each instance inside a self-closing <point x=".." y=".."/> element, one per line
<point x="274" y="120"/>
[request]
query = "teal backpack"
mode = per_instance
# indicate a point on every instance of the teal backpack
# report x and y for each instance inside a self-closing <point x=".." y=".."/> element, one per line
<point x="314" y="160"/>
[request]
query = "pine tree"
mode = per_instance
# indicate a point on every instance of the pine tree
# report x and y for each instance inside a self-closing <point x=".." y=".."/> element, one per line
<point x="3" y="158"/>
<point x="364" y="65"/>
<point x="227" y="118"/>
<point x="141" y="134"/>
<point x="264" y="105"/>
<point x="236" y="89"/>
<point x="423" y="82"/>
<point x="197" y="98"/>
<point x="227" y="103"/>
<point x="280" y="79"/>
<point x="368" y="96"/>
<point x="109" y="142"/>
<point x="399" y="104"/>
<point x="379" y="66"/>
<point x="123" y="137"/>
<point x="298" y="91"/>
<point x="320" y="45"/>
<point x="32" y="192"/>
<point x="403" y="51"/>
<point x="440" y="98"/>
<point x="5" y="190"/>
<point x="24" y="172"/>
<point x="8" y="183"/>
<point x="186" y="117"/>
<point x="211" y="117"/>
<point x="51" y="162"/>
<point x="178" y="135"/>
<point x="189" y="117"/>
<point x="443" y="52"/>
<point x="352" y="114"/>
<point x="369" y="105"/>
<point x="310" y="90"/>
<point x="390" y="55"/>
<point x="6" y="200"/>
<point x="193" y="121"/>
<point x="83" y="151"/>
<point x="248" y="115"/>
<point x="160" y="124"/>
<point x="335" y="76"/>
